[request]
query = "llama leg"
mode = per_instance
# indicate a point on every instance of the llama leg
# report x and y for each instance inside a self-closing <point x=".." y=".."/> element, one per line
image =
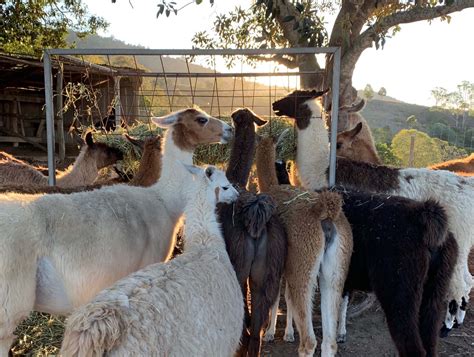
<point x="17" y="296"/>
<point x="263" y="294"/>
<point x="270" y="332"/>
<point x="401" y="300"/>
<point x="289" y="331"/>
<point x="301" y="292"/>
<point x="331" y="279"/>
<point x="434" y="293"/>
<point x="341" y="333"/>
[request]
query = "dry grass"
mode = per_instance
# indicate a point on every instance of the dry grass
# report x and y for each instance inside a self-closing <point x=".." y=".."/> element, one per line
<point x="39" y="335"/>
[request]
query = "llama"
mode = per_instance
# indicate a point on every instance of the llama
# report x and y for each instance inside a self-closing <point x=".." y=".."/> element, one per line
<point x="189" y="306"/>
<point x="319" y="244"/>
<point x="351" y="144"/>
<point x="72" y="246"/>
<point x="350" y="117"/>
<point x="454" y="193"/>
<point x="254" y="236"/>
<point x="92" y="157"/>
<point x="460" y="166"/>
<point x="148" y="172"/>
<point x="407" y="266"/>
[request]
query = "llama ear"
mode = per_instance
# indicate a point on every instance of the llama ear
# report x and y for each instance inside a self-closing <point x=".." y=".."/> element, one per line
<point x="356" y="130"/>
<point x="134" y="141"/>
<point x="89" y="139"/>
<point x="165" y="121"/>
<point x="259" y="121"/>
<point x="193" y="170"/>
<point x="357" y="107"/>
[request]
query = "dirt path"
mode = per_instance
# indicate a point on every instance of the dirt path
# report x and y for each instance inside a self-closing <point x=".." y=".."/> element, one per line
<point x="367" y="335"/>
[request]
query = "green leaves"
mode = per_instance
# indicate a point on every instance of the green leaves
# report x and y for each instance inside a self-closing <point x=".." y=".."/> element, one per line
<point x="29" y="26"/>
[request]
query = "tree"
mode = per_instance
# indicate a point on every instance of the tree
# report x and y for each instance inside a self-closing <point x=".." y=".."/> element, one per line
<point x="368" y="92"/>
<point x="386" y="154"/>
<point x="412" y="122"/>
<point x="459" y="103"/>
<point x="382" y="91"/>
<point x="29" y="26"/>
<point x="300" y="23"/>
<point x="426" y="151"/>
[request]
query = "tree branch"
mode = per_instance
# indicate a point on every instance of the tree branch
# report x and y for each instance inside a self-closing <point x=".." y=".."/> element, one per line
<point x="285" y="61"/>
<point x="417" y="13"/>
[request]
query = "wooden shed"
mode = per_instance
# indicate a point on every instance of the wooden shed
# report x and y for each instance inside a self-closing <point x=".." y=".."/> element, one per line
<point x="89" y="93"/>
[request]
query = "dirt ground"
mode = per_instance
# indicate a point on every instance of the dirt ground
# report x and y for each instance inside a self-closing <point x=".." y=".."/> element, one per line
<point x="367" y="335"/>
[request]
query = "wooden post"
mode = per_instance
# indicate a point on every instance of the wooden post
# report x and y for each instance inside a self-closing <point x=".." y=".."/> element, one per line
<point x="14" y="120"/>
<point x="118" y="110"/>
<point x="411" y="159"/>
<point x="60" y="118"/>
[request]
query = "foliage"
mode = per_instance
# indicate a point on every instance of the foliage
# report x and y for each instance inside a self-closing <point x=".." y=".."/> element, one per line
<point x="426" y="151"/>
<point x="382" y="135"/>
<point x="386" y="154"/>
<point x="412" y="122"/>
<point x="29" y="26"/>
<point x="368" y="92"/>
<point x="460" y="102"/>
<point x="259" y="27"/>
<point x="170" y="7"/>
<point x="449" y="152"/>
<point x="382" y="91"/>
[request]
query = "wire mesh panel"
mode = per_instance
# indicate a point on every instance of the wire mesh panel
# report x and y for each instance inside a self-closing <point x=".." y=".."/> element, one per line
<point x="110" y="88"/>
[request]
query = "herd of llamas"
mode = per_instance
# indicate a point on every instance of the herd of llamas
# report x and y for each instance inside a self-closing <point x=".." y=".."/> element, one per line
<point x="100" y="252"/>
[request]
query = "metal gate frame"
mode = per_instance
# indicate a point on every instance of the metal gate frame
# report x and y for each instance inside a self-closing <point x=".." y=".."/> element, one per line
<point x="48" y="84"/>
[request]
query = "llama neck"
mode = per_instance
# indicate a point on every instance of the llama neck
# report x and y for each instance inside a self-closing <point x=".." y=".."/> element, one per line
<point x="201" y="230"/>
<point x="241" y="155"/>
<point x="83" y="172"/>
<point x="149" y="171"/>
<point x="174" y="176"/>
<point x="312" y="157"/>
<point x="265" y="162"/>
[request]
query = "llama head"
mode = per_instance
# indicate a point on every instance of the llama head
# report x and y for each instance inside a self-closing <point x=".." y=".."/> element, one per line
<point x="298" y="105"/>
<point x="349" y="115"/>
<point x="345" y="141"/>
<point x="192" y="127"/>
<point x="245" y="118"/>
<point x="102" y="154"/>
<point x="219" y="189"/>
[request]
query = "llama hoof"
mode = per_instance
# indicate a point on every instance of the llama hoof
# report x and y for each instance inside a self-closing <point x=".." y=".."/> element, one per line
<point x="457" y="324"/>
<point x="341" y="338"/>
<point x="268" y="337"/>
<point x="444" y="331"/>
<point x="289" y="337"/>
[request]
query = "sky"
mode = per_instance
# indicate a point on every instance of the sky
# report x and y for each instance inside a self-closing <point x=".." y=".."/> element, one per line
<point x="420" y="57"/>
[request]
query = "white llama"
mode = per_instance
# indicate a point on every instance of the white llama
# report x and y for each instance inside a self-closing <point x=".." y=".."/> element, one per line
<point x="190" y="306"/>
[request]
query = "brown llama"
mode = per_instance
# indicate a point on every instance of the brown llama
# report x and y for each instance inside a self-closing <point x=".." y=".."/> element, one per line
<point x="254" y="236"/>
<point x="92" y="157"/>
<point x="148" y="172"/>
<point x="352" y="144"/>
<point x="319" y="243"/>
<point x="360" y="142"/>
<point x="464" y="166"/>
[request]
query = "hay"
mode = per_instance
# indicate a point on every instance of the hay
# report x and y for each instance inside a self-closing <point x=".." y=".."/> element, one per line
<point x="39" y="335"/>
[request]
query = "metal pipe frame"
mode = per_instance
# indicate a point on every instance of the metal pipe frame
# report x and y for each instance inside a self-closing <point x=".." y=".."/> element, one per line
<point x="48" y="93"/>
<point x="335" y="51"/>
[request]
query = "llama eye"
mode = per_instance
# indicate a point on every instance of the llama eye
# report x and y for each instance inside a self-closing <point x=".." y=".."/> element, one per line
<point x="225" y="188"/>
<point x="201" y="120"/>
<point x="338" y="145"/>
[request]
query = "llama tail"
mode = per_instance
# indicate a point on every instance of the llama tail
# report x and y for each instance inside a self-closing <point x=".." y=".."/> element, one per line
<point x="257" y="211"/>
<point x="435" y="222"/>
<point x="94" y="329"/>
